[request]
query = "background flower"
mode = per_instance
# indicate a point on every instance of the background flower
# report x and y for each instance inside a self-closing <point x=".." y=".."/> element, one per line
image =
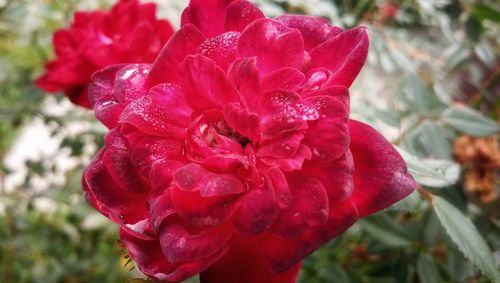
<point x="233" y="154"/>
<point x="128" y="33"/>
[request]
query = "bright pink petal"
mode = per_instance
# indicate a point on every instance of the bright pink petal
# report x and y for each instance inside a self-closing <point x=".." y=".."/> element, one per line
<point x="221" y="49"/>
<point x="257" y="212"/>
<point x="275" y="45"/>
<point x="204" y="84"/>
<point x="161" y="113"/>
<point x="244" y="263"/>
<point x="204" y="211"/>
<point x="282" y="254"/>
<point x="336" y="176"/>
<point x="194" y="178"/>
<point x="183" y="43"/>
<point x="315" y="79"/>
<point x="309" y="207"/>
<point x="207" y="15"/>
<point x="130" y="83"/>
<point x="314" y="30"/>
<point x="244" y="77"/>
<point x="283" y="79"/>
<point x="239" y="14"/>
<point x="107" y="109"/>
<point x="243" y="122"/>
<point x="185" y="243"/>
<point x="343" y="54"/>
<point x="380" y="175"/>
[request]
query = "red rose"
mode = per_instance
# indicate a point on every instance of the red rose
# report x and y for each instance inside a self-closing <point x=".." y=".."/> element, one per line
<point x="233" y="155"/>
<point x="128" y="33"/>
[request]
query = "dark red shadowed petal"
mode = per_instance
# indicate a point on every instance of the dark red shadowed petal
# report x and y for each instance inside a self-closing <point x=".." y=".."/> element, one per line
<point x="239" y="14"/>
<point x="204" y="211"/>
<point x="107" y="109"/>
<point x="194" y="178"/>
<point x="186" y="243"/>
<point x="183" y="43"/>
<point x="148" y="255"/>
<point x="309" y="207"/>
<point x="207" y="15"/>
<point x="276" y="180"/>
<point x="336" y="176"/>
<point x="160" y="208"/>
<point x="204" y="84"/>
<point x="380" y="174"/>
<point x="314" y="30"/>
<point x="343" y="54"/>
<point x="244" y="264"/>
<point x="275" y="46"/>
<point x="257" y="211"/>
<point x="282" y="254"/>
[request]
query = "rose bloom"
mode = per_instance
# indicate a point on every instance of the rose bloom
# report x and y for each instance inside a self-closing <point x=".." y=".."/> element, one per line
<point x="233" y="154"/>
<point x="128" y="33"/>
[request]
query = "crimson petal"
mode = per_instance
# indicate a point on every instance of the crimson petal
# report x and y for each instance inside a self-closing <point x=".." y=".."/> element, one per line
<point x="257" y="212"/>
<point x="343" y="54"/>
<point x="239" y="14"/>
<point x="380" y="176"/>
<point x="207" y="15"/>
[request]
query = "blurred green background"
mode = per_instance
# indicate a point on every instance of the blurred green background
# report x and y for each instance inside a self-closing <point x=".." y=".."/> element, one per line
<point x="431" y="85"/>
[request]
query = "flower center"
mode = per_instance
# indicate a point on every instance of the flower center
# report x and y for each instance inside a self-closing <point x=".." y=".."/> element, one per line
<point x="222" y="128"/>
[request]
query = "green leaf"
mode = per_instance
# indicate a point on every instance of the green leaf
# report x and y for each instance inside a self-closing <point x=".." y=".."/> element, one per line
<point x="473" y="28"/>
<point x="385" y="230"/>
<point x="431" y="172"/>
<point x="465" y="235"/>
<point x="411" y="203"/>
<point x="427" y="269"/>
<point x="484" y="12"/>
<point x="469" y="121"/>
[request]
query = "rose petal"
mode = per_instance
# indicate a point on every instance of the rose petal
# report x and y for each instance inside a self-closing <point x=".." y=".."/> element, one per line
<point x="193" y="178"/>
<point x="283" y="79"/>
<point x="221" y="49"/>
<point x="314" y="30"/>
<point x="281" y="254"/>
<point x="184" y="243"/>
<point x="276" y="180"/>
<point x="336" y="176"/>
<point x="244" y="76"/>
<point x="243" y="122"/>
<point x="204" y="211"/>
<point x="207" y="15"/>
<point x="275" y="45"/>
<point x="130" y="83"/>
<point x="239" y="14"/>
<point x="244" y="262"/>
<point x="183" y="43"/>
<point x="308" y="209"/>
<point x="343" y="54"/>
<point x="257" y="212"/>
<point x="380" y="175"/>
<point x="204" y="84"/>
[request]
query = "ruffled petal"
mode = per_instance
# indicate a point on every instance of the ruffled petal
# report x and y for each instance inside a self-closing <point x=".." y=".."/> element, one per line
<point x="276" y="180"/>
<point x="344" y="55"/>
<point x="186" y="243"/>
<point x="243" y="122"/>
<point x="183" y="43"/>
<point x="275" y="46"/>
<point x="257" y="211"/>
<point x="283" y="79"/>
<point x="221" y="49"/>
<point x="314" y="30"/>
<point x="380" y="175"/>
<point x="239" y="14"/>
<point x="194" y="178"/>
<point x="282" y="254"/>
<point x="130" y="83"/>
<point x="244" y="264"/>
<point x="336" y="176"/>
<point x="328" y="133"/>
<point x="161" y="113"/>
<point x="204" y="211"/>
<point x="309" y="207"/>
<point x="207" y="15"/>
<point x="204" y="84"/>
<point x="244" y="77"/>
